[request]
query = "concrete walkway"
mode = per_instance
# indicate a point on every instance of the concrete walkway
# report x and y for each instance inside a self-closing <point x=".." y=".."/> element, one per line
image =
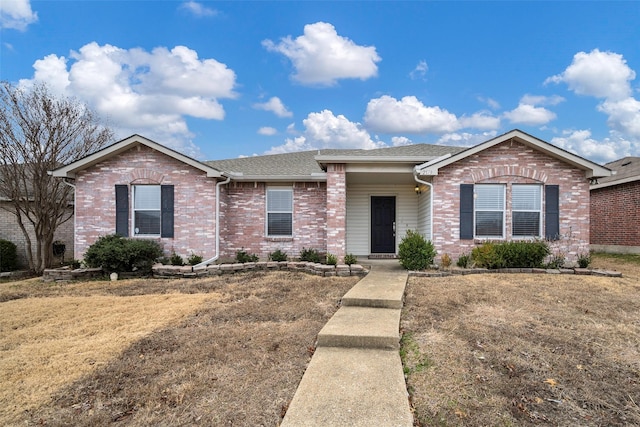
<point x="355" y="376"/>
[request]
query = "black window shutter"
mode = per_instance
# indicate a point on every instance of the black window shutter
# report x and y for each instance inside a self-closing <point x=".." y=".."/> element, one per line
<point x="166" y="210"/>
<point x="552" y="212"/>
<point x="122" y="210"/>
<point x="466" y="211"/>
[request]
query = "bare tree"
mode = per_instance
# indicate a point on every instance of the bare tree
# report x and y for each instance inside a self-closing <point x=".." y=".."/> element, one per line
<point x="38" y="133"/>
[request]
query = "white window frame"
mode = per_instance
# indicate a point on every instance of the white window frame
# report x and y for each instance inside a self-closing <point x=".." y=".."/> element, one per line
<point x="476" y="210"/>
<point x="134" y="210"/>
<point x="278" y="211"/>
<point x="538" y="211"/>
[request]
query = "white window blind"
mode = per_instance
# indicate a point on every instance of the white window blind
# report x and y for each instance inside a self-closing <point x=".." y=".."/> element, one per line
<point x="526" y="206"/>
<point x="489" y="210"/>
<point x="146" y="209"/>
<point x="280" y="212"/>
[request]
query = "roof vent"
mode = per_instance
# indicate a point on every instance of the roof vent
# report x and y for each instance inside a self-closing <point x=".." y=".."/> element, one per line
<point x="626" y="164"/>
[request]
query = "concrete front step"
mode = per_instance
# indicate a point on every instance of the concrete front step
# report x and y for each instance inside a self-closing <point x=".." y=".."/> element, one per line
<point x="351" y="387"/>
<point x="383" y="289"/>
<point x="362" y="327"/>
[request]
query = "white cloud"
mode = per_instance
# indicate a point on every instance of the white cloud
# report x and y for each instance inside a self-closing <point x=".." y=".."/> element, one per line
<point x="465" y="139"/>
<point x="16" y="14"/>
<point x="142" y="92"/>
<point x="397" y="141"/>
<point x="491" y="103"/>
<point x="481" y="120"/>
<point x="267" y="131"/>
<point x="527" y="113"/>
<point x="624" y="116"/>
<point x="408" y="115"/>
<point x="580" y="142"/>
<point x="420" y="71"/>
<point x="326" y="130"/>
<point x="274" y="105"/>
<point x="321" y="56"/>
<point x="198" y="9"/>
<point x="598" y="74"/>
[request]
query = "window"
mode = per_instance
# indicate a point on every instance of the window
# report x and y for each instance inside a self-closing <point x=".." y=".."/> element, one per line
<point x="526" y="207"/>
<point x="489" y="210"/>
<point x="146" y="210"/>
<point x="280" y="212"/>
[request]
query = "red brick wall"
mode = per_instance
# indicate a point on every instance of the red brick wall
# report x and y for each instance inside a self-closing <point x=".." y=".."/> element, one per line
<point x="509" y="163"/>
<point x="243" y="220"/>
<point x="615" y="215"/>
<point x="337" y="210"/>
<point x="194" y="200"/>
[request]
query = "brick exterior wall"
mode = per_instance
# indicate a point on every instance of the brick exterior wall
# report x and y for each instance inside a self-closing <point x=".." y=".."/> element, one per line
<point x="511" y="163"/>
<point x="9" y="230"/>
<point x="337" y="210"/>
<point x="194" y="200"/>
<point x="243" y="219"/>
<point x="615" y="215"/>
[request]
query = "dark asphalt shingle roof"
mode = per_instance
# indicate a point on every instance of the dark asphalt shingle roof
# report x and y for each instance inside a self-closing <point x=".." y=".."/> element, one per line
<point x="304" y="163"/>
<point x="627" y="167"/>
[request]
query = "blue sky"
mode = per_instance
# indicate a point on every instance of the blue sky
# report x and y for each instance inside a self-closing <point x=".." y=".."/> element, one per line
<point x="227" y="79"/>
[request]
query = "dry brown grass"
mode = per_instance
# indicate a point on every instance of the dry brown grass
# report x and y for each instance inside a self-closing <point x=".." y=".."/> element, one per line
<point x="228" y="350"/>
<point x="525" y="349"/>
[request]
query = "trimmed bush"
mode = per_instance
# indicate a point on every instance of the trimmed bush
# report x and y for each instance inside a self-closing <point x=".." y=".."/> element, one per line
<point x="584" y="260"/>
<point x="116" y="254"/>
<point x="464" y="261"/>
<point x="310" y="255"/>
<point x="332" y="259"/>
<point x="176" y="259"/>
<point x="350" y="259"/>
<point x="194" y="259"/>
<point x="243" y="256"/>
<point x="278" y="256"/>
<point x="416" y="253"/>
<point x="514" y="254"/>
<point x="8" y="256"/>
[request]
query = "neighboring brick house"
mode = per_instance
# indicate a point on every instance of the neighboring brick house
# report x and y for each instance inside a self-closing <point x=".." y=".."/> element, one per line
<point x="362" y="202"/>
<point x="615" y="208"/>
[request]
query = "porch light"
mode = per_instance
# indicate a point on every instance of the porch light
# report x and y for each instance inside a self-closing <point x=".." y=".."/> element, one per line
<point x="417" y="189"/>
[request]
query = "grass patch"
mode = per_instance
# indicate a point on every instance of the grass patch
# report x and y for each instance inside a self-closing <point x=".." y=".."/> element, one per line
<point x="227" y="350"/>
<point x="526" y="349"/>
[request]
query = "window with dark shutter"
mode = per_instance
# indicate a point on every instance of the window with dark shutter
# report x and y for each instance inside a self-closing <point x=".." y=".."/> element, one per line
<point x="552" y="212"/>
<point x="466" y="211"/>
<point x="122" y="210"/>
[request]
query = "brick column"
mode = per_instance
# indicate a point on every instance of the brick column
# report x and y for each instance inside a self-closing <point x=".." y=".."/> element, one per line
<point x="337" y="210"/>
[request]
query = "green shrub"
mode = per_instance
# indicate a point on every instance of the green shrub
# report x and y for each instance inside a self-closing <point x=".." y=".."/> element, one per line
<point x="584" y="260"/>
<point x="278" y="256"/>
<point x="8" y="256"/>
<point x="194" y="259"/>
<point x="514" y="254"/>
<point x="464" y="261"/>
<point x="118" y="254"/>
<point x="415" y="252"/>
<point x="332" y="259"/>
<point x="243" y="256"/>
<point x="310" y="255"/>
<point x="557" y="261"/>
<point x="176" y="259"/>
<point x="350" y="259"/>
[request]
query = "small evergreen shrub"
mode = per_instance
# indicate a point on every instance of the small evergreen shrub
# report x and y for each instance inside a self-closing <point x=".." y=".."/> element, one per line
<point x="116" y="254"/>
<point x="243" y="256"/>
<point x="464" y="261"/>
<point x="278" y="256"/>
<point x="557" y="261"/>
<point x="310" y="255"/>
<point x="194" y="259"/>
<point x="8" y="256"/>
<point x="332" y="259"/>
<point x="350" y="259"/>
<point x="415" y="252"/>
<point x="514" y="254"/>
<point x="584" y="260"/>
<point x="176" y="259"/>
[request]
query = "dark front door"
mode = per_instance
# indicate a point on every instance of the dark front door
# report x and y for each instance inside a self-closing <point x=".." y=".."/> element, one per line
<point x="383" y="224"/>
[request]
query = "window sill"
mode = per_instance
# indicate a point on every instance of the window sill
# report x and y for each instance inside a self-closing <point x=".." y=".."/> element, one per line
<point x="279" y="239"/>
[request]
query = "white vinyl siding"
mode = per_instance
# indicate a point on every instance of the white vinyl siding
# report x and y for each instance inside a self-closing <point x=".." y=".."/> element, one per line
<point x="359" y="213"/>
<point x="424" y="213"/>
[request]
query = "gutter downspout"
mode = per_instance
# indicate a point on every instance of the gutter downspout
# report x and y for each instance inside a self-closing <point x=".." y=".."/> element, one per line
<point x="428" y="184"/>
<point x="64" y="180"/>
<point x="217" y="255"/>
